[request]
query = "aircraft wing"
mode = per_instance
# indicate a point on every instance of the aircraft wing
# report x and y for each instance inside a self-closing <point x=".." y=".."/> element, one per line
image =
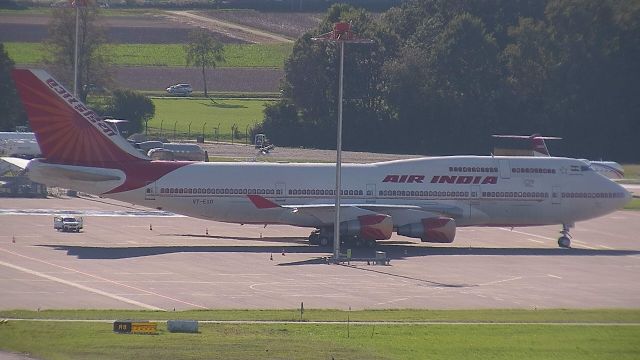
<point x="402" y="214"/>
<point x="353" y="219"/>
<point x="433" y="223"/>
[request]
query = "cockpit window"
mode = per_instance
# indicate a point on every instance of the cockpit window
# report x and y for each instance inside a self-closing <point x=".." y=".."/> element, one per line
<point x="585" y="168"/>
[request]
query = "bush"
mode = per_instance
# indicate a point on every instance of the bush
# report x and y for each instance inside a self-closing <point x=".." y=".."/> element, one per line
<point x="130" y="105"/>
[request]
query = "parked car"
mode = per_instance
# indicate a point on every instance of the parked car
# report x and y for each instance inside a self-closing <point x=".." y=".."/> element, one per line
<point x="67" y="223"/>
<point x="180" y="89"/>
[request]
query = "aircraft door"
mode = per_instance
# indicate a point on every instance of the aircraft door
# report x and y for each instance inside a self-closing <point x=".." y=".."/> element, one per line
<point x="556" y="195"/>
<point x="370" y="193"/>
<point x="505" y="169"/>
<point x="280" y="191"/>
<point x="150" y="191"/>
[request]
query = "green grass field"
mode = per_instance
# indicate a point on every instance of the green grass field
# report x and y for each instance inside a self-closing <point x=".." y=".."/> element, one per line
<point x="222" y="113"/>
<point x="631" y="171"/>
<point x="634" y="204"/>
<point x="66" y="340"/>
<point x="236" y="55"/>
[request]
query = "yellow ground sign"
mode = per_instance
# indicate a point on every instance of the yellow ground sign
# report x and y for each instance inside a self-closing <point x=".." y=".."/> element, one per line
<point x="144" y="328"/>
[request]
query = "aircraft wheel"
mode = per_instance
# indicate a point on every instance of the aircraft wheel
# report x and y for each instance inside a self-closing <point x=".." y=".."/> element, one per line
<point x="314" y="239"/>
<point x="325" y="241"/>
<point x="357" y="242"/>
<point x="564" y="242"/>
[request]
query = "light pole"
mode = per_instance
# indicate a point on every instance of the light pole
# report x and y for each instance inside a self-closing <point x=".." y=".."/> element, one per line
<point x="341" y="34"/>
<point x="76" y="4"/>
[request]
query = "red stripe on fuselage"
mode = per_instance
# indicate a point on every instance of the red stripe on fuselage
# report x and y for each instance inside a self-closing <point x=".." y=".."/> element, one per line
<point x="141" y="173"/>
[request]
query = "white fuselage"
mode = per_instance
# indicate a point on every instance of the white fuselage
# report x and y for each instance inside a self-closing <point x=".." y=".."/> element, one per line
<point x="473" y="190"/>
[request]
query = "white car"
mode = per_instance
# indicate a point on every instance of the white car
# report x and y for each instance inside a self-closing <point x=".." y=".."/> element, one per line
<point x="67" y="223"/>
<point x="180" y="89"/>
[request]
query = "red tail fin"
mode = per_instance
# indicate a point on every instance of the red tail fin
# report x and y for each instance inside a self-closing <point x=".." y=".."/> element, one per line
<point x="67" y="131"/>
<point x="538" y="145"/>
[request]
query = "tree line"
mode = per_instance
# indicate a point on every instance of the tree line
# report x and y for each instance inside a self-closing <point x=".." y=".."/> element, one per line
<point x="442" y="76"/>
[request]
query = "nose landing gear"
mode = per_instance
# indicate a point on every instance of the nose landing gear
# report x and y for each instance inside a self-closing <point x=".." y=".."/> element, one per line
<point x="565" y="240"/>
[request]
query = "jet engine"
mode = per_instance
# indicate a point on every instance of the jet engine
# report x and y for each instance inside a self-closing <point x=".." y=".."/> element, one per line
<point x="436" y="230"/>
<point x="370" y="227"/>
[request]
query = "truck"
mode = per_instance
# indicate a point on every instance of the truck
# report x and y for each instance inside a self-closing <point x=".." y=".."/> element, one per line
<point x="67" y="223"/>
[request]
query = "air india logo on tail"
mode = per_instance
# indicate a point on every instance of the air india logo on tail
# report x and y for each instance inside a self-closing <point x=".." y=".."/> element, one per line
<point x="79" y="107"/>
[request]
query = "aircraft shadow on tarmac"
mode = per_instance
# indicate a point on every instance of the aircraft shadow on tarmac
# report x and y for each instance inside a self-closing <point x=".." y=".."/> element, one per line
<point x="395" y="250"/>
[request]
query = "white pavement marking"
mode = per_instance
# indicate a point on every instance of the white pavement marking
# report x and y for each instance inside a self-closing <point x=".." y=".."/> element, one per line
<point x="526" y="233"/>
<point x="392" y="301"/>
<point x="81" y="287"/>
<point x="501" y="281"/>
<point x="106" y="280"/>
<point x="581" y="243"/>
<point x="554" y="276"/>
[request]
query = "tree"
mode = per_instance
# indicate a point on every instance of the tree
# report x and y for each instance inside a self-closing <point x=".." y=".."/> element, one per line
<point x="132" y="106"/>
<point x="10" y="107"/>
<point x="205" y="51"/>
<point x="93" y="70"/>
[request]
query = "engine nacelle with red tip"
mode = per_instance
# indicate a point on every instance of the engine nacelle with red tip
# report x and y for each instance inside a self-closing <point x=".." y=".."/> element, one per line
<point x="369" y="227"/>
<point x="436" y="230"/>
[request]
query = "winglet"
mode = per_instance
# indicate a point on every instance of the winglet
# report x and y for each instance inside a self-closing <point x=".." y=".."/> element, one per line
<point x="261" y="202"/>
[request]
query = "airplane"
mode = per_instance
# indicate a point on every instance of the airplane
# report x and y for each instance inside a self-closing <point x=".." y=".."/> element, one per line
<point x="424" y="198"/>
<point x="538" y="147"/>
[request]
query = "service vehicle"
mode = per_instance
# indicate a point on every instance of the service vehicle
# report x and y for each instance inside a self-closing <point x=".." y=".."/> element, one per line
<point x="67" y="223"/>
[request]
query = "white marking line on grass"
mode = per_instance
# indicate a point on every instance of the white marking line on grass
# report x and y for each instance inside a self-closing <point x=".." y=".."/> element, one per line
<point x="81" y="287"/>
<point x="106" y="280"/>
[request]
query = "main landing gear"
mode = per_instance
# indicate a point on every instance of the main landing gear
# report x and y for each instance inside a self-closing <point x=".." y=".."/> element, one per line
<point x="565" y="239"/>
<point x="325" y="238"/>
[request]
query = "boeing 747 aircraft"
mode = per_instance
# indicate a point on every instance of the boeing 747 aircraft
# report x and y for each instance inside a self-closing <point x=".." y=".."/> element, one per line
<point x="424" y="198"/>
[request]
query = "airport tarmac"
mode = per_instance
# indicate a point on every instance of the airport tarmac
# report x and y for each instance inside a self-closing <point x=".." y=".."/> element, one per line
<point x="128" y="258"/>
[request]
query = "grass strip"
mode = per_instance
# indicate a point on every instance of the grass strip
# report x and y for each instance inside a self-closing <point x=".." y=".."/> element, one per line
<point x="324" y="341"/>
<point x="236" y="55"/>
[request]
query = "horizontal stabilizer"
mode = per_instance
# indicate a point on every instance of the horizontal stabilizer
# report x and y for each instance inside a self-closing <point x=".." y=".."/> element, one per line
<point x="77" y="175"/>
<point x="21" y="163"/>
